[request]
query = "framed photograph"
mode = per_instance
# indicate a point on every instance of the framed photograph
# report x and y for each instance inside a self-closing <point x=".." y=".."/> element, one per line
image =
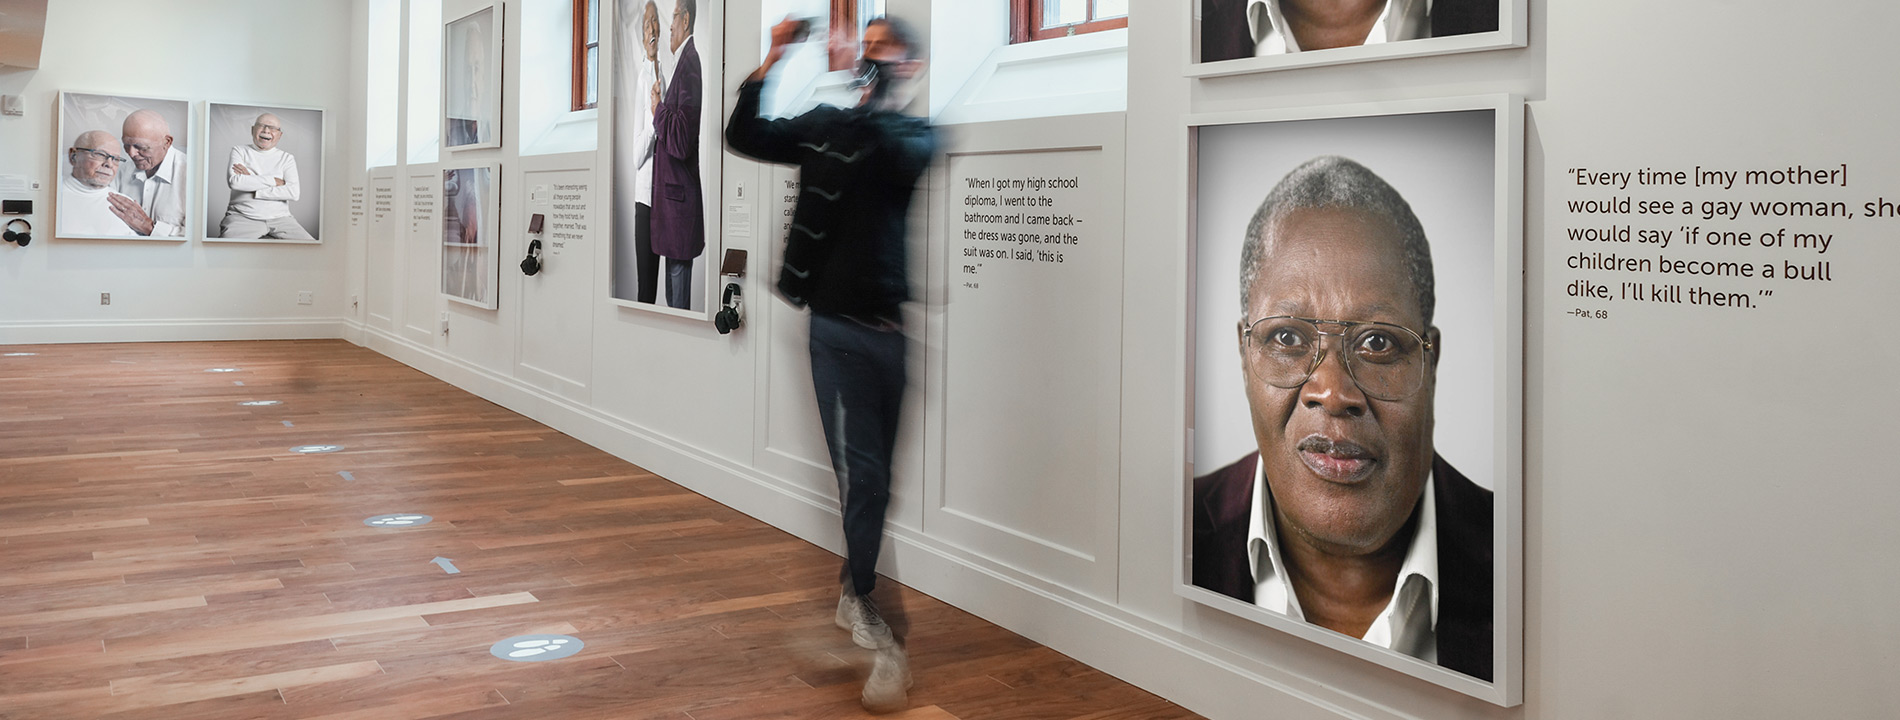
<point x="665" y="123"/>
<point x="471" y="207"/>
<point x="1356" y="382"/>
<point x="122" y="167"/>
<point x="1230" y="37"/>
<point x="263" y="173"/>
<point x="471" y="80"/>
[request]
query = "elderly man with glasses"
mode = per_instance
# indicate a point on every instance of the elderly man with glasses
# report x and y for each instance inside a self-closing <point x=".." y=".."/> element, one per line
<point x="1345" y="517"/>
<point x="263" y="181"/>
<point x="152" y="197"/>
<point x="85" y="193"/>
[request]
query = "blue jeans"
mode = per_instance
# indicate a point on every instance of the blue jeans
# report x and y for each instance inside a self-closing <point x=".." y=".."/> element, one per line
<point x="679" y="283"/>
<point x="858" y="372"/>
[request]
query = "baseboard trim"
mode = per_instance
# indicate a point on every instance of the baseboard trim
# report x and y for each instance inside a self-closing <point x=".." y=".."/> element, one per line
<point x="170" y="330"/>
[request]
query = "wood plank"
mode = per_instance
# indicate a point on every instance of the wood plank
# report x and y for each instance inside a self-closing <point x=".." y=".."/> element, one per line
<point x="163" y="555"/>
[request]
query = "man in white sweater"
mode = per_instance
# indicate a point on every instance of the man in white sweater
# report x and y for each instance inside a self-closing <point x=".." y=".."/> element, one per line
<point x="263" y="182"/>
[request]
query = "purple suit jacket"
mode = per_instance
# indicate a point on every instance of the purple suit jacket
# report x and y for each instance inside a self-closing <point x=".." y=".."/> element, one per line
<point x="679" y="209"/>
<point x="1223" y="508"/>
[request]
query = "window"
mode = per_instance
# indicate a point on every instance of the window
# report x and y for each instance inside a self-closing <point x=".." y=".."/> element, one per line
<point x="586" y="91"/>
<point x="1044" y="19"/>
<point x="848" y="18"/>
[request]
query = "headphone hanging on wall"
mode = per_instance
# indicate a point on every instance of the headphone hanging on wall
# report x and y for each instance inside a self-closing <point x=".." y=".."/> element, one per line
<point x="20" y="237"/>
<point x="731" y="309"/>
<point x="532" y="263"/>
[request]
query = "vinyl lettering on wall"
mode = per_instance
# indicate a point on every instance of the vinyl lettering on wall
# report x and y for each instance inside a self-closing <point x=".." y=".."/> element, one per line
<point x="1015" y="218"/>
<point x="1707" y="237"/>
<point x="572" y="208"/>
<point x="356" y="207"/>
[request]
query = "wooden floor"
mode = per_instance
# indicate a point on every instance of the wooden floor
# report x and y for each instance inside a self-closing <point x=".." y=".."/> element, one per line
<point x="167" y="556"/>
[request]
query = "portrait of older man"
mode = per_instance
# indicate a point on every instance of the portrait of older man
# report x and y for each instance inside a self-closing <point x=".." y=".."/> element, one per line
<point x="264" y="182"/>
<point x="1233" y="29"/>
<point x="154" y="188"/>
<point x="85" y="193"/>
<point x="1344" y="515"/>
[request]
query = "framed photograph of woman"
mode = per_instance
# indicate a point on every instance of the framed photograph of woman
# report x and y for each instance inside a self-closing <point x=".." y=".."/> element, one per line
<point x="471" y="207"/>
<point x="471" y="80"/>
<point x="1231" y="37"/>
<point x="1356" y="382"/>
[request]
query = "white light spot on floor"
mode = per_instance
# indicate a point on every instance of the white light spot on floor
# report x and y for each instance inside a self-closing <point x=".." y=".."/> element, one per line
<point x="398" y="520"/>
<point x="261" y="403"/>
<point x="314" y="449"/>
<point x="534" y="648"/>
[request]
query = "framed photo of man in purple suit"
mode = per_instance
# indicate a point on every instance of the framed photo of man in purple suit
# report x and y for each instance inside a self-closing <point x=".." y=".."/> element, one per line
<point x="664" y="124"/>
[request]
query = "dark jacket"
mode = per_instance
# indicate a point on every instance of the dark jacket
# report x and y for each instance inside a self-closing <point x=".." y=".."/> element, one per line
<point x="857" y="170"/>
<point x="679" y="205"/>
<point x="1224" y="34"/>
<point x="1223" y="508"/>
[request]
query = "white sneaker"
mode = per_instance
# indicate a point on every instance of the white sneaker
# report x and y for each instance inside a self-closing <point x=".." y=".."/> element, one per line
<point x="884" y="690"/>
<point x="847" y="607"/>
<point x="859" y="615"/>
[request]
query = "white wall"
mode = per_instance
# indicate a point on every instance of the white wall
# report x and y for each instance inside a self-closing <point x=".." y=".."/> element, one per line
<point x="1708" y="522"/>
<point x="268" y="54"/>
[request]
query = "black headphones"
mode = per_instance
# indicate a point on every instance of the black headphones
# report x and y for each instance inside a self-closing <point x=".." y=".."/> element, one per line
<point x="21" y="237"/>
<point x="532" y="263"/>
<point x="731" y="309"/>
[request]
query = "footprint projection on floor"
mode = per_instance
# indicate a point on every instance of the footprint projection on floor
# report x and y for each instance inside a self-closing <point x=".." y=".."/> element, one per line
<point x="534" y="648"/>
<point x="398" y="520"/>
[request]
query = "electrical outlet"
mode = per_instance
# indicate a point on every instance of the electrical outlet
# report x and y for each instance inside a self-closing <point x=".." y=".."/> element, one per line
<point x="305" y="297"/>
<point x="105" y="298"/>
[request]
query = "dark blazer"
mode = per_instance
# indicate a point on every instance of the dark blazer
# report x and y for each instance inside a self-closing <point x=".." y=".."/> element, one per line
<point x="857" y="170"/>
<point x="1223" y="507"/>
<point x="1224" y="34"/>
<point x="679" y="208"/>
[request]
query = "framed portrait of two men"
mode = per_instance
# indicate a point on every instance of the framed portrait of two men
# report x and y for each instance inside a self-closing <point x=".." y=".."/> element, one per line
<point x="665" y="123"/>
<point x="1356" y="382"/>
<point x="123" y="168"/>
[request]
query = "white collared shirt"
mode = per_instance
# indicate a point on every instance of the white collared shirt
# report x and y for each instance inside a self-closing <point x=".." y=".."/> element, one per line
<point x="86" y="211"/>
<point x="1401" y="20"/>
<point x="162" y="195"/>
<point x="1405" y="625"/>
<point x="257" y="195"/>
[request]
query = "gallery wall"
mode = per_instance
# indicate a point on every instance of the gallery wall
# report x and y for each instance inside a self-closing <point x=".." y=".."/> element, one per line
<point x="1698" y="505"/>
<point x="1706" y="518"/>
<point x="50" y="290"/>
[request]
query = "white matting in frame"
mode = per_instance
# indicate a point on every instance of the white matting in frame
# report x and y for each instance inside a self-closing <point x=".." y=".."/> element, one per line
<point x="94" y="166"/>
<point x="1221" y="36"/>
<point x="1458" y="164"/>
<point x="471" y="212"/>
<point x="263" y="173"/>
<point x="471" y="79"/>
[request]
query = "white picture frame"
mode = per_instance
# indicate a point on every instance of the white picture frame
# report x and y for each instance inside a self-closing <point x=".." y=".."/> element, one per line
<point x="81" y="211"/>
<point x="471" y="79"/>
<point x="1510" y="32"/>
<point x="470" y="259"/>
<point x="1247" y="153"/>
<point x="304" y="140"/>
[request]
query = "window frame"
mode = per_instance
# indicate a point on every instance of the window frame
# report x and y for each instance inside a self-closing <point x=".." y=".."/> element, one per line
<point x="578" y="90"/>
<point x="1025" y="23"/>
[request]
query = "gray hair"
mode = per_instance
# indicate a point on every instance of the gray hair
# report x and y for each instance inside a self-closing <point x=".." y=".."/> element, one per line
<point x="1331" y="181"/>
